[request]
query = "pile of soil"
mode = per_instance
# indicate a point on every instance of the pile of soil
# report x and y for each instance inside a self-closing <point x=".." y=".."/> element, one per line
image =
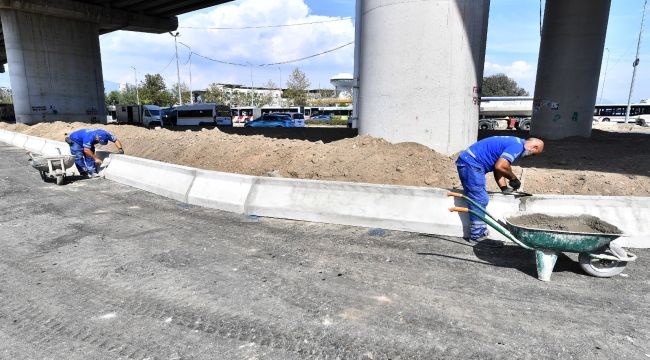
<point x="614" y="161"/>
<point x="582" y="223"/>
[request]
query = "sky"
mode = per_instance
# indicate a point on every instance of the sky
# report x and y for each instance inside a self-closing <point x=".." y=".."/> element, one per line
<point x="317" y="37"/>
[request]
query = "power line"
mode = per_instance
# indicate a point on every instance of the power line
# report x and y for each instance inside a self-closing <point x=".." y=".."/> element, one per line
<point x="277" y="63"/>
<point x="261" y="27"/>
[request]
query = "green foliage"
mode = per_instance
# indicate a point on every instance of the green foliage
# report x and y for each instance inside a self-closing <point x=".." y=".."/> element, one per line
<point x="297" y="86"/>
<point x="154" y="92"/>
<point x="216" y="94"/>
<point x="501" y="85"/>
<point x="6" y="96"/>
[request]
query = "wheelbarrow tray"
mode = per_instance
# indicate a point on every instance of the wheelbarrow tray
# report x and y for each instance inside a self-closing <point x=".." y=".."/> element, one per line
<point x="559" y="240"/>
<point x="41" y="163"/>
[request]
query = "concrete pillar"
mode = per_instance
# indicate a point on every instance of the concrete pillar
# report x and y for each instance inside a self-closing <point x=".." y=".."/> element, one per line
<point x="570" y="55"/>
<point x="54" y="68"/>
<point x="420" y="71"/>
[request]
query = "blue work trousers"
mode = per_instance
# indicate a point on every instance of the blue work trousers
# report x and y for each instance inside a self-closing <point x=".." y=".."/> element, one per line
<point x="473" y="179"/>
<point x="85" y="164"/>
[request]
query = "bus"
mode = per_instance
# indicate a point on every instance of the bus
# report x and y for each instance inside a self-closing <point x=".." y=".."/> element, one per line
<point x="244" y="114"/>
<point x="616" y="112"/>
<point x="209" y="114"/>
<point x="336" y="112"/>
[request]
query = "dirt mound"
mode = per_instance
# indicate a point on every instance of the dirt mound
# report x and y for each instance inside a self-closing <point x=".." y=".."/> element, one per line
<point x="614" y="161"/>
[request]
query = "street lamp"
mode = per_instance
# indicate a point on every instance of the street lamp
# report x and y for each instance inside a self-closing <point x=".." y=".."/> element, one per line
<point x="602" y="87"/>
<point x="178" y="71"/>
<point x="135" y="75"/>
<point x="635" y="64"/>
<point x="190" y="49"/>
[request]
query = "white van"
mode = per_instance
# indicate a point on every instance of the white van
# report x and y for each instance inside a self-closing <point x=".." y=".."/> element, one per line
<point x="203" y="114"/>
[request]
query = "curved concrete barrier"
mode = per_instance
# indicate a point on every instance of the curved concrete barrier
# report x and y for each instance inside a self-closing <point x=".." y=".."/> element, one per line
<point x="19" y="140"/>
<point x="391" y="207"/>
<point x="6" y="137"/>
<point x="386" y="206"/>
<point x="34" y="144"/>
<point x="172" y="181"/>
<point x="218" y="190"/>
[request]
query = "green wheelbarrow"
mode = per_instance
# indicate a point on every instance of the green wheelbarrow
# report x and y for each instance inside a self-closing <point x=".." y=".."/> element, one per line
<point x="597" y="255"/>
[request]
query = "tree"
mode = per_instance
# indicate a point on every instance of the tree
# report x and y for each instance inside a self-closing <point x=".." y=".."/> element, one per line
<point x="267" y="97"/>
<point x="501" y="85"/>
<point x="114" y="97"/>
<point x="6" y="95"/>
<point x="154" y="91"/>
<point x="216" y="93"/>
<point x="297" y="86"/>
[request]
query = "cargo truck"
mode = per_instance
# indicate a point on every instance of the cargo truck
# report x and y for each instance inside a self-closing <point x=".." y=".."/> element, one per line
<point x="145" y="115"/>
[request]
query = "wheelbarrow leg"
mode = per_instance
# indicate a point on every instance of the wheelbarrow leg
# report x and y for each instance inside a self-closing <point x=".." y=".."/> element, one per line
<point x="545" y="263"/>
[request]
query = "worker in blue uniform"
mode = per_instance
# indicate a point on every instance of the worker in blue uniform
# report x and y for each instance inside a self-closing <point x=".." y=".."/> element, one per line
<point x="493" y="154"/>
<point x="82" y="146"/>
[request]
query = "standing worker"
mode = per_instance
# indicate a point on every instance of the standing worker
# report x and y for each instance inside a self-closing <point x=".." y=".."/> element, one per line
<point x="493" y="154"/>
<point x="82" y="147"/>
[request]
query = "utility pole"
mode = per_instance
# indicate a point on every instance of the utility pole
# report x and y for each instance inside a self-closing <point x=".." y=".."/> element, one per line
<point x="178" y="71"/>
<point x="190" y="60"/>
<point x="135" y="74"/>
<point x="635" y="63"/>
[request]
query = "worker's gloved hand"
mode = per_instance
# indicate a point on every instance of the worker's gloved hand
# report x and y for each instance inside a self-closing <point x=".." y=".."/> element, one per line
<point x="515" y="184"/>
<point x="505" y="189"/>
<point x="120" y="151"/>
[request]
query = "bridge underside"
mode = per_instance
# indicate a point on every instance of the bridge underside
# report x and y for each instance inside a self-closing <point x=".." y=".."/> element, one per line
<point x="52" y="48"/>
<point x="153" y="16"/>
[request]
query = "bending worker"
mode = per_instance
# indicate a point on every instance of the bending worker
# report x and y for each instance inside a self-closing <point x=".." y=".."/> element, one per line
<point x="494" y="154"/>
<point x="82" y="147"/>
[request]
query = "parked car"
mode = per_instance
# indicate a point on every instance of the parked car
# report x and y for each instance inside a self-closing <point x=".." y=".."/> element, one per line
<point x="271" y="120"/>
<point x="321" y="117"/>
<point x="298" y="118"/>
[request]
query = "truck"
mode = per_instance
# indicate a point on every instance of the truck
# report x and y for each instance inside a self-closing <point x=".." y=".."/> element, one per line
<point x="145" y="115"/>
<point x="516" y="111"/>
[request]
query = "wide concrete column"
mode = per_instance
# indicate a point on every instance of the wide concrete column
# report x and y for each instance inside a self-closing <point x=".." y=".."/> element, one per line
<point x="54" y="68"/>
<point x="420" y="70"/>
<point x="570" y="55"/>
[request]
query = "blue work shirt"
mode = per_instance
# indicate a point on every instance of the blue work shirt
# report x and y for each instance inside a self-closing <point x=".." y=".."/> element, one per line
<point x="86" y="137"/>
<point x="486" y="152"/>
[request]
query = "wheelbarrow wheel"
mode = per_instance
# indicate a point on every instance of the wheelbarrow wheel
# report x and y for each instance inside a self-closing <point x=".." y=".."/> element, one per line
<point x="600" y="268"/>
<point x="60" y="179"/>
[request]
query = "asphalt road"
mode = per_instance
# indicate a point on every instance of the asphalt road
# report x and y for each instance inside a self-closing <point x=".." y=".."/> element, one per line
<point x="97" y="270"/>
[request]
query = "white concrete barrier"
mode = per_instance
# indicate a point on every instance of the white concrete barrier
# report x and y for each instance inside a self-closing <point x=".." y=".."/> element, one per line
<point x="218" y="190"/>
<point x="6" y="136"/>
<point x="384" y="206"/>
<point x="34" y="144"/>
<point x="172" y="181"/>
<point x="19" y="140"/>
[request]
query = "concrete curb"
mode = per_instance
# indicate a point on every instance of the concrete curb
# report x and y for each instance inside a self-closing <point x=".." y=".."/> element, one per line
<point x="172" y="181"/>
<point x="403" y="208"/>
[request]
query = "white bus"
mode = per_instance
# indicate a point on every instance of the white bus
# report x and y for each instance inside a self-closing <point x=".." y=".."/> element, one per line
<point x="207" y="114"/>
<point x="616" y="112"/>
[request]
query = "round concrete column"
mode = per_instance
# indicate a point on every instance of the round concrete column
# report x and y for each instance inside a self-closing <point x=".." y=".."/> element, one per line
<point x="571" y="51"/>
<point x="420" y="70"/>
<point x="54" y="68"/>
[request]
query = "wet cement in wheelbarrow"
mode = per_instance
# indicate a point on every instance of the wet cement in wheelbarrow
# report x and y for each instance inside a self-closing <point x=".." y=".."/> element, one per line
<point x="577" y="224"/>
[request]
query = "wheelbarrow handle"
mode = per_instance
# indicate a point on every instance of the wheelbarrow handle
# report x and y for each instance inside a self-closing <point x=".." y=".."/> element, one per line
<point x="459" y="209"/>
<point x="455" y="194"/>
